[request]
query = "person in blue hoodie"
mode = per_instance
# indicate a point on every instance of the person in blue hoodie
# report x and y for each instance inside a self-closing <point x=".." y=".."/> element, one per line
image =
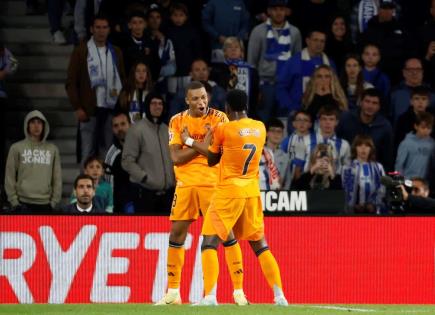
<point x="367" y="120"/>
<point x="418" y="149"/>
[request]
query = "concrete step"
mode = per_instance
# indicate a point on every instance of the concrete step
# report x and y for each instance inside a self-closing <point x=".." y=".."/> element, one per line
<point x="66" y="146"/>
<point x="42" y="104"/>
<point x="37" y="90"/>
<point x="69" y="173"/>
<point x="64" y="132"/>
<point x="40" y="21"/>
<point x="39" y="49"/>
<point x="15" y="120"/>
<point x="28" y="35"/>
<point x="13" y="7"/>
<point x="68" y="159"/>
<point x="46" y="63"/>
<point x="22" y="76"/>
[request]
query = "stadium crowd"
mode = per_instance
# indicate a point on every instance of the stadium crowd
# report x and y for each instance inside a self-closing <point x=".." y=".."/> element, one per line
<point x="345" y="89"/>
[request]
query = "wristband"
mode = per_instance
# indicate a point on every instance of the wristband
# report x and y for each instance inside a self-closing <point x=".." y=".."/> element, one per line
<point x="189" y="142"/>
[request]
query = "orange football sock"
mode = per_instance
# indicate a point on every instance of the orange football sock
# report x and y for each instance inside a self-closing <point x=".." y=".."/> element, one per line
<point x="233" y="257"/>
<point x="210" y="270"/>
<point x="175" y="265"/>
<point x="270" y="269"/>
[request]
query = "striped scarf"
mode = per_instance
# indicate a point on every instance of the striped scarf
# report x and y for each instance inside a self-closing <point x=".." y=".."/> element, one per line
<point x="278" y="48"/>
<point x="271" y="173"/>
<point x="366" y="10"/>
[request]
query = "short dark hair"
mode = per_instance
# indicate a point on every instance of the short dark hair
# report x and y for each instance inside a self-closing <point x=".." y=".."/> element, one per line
<point x="303" y="112"/>
<point x="421" y="90"/>
<point x="194" y="85"/>
<point x="373" y="92"/>
<point x="83" y="176"/>
<point x="274" y="122"/>
<point x="136" y="13"/>
<point x="424" y="118"/>
<point x="315" y="30"/>
<point x="421" y="180"/>
<point x="121" y="113"/>
<point x="179" y="7"/>
<point x="237" y="100"/>
<point x="328" y="110"/>
<point x="91" y="159"/>
<point x="100" y="17"/>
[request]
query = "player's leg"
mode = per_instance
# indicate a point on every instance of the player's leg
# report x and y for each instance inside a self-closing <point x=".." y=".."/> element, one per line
<point x="210" y="268"/>
<point x="175" y="261"/>
<point x="270" y="269"/>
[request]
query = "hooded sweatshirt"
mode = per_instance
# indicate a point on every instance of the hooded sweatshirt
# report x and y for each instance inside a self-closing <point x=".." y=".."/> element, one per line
<point x="33" y="172"/>
<point x="414" y="155"/>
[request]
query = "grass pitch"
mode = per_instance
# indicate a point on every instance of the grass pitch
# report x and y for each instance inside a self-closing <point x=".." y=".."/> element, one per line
<point x="255" y="309"/>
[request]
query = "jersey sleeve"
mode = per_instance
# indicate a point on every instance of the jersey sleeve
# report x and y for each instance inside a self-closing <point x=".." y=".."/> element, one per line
<point x="174" y="131"/>
<point x="216" y="144"/>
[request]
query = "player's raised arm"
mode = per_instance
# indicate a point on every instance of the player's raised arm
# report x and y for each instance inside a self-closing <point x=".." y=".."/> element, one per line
<point x="180" y="155"/>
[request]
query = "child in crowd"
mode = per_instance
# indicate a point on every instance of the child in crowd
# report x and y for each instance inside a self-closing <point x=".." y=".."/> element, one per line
<point x="417" y="150"/>
<point x="371" y="57"/>
<point x="362" y="178"/>
<point x="103" y="199"/>
<point x="132" y="97"/>
<point x="299" y="144"/>
<point x="420" y="96"/>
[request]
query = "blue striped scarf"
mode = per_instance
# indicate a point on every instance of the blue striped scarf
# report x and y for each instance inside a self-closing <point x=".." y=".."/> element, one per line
<point x="278" y="48"/>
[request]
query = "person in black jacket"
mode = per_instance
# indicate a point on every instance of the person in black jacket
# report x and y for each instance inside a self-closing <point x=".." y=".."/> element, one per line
<point x="84" y="189"/>
<point x="418" y="200"/>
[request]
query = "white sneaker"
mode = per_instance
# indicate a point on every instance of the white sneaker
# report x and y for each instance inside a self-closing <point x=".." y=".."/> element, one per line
<point x="170" y="298"/>
<point x="281" y="301"/>
<point x="208" y="300"/>
<point x="240" y="298"/>
<point x="58" y="38"/>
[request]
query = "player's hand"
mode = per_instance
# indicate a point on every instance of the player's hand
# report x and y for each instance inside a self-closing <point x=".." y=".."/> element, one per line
<point x="184" y="135"/>
<point x="81" y="115"/>
<point x="208" y="136"/>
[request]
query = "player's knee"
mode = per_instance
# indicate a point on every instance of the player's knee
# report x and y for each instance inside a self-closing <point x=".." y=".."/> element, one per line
<point x="209" y="242"/>
<point x="175" y="244"/>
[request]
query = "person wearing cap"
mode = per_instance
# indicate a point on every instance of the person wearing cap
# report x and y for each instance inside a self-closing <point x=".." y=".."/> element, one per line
<point x="271" y="44"/>
<point x="385" y="31"/>
<point x="33" y="179"/>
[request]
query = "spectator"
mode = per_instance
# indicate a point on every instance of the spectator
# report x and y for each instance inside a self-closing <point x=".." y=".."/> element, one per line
<point x="295" y="74"/>
<point x="328" y="121"/>
<point x="55" y="12"/>
<point x="137" y="45"/>
<point x="8" y="65"/>
<point x="362" y="178"/>
<point x="236" y="73"/>
<point x="352" y="80"/>
<point x="425" y="41"/>
<point x="367" y="120"/>
<point x="417" y="150"/>
<point x="132" y="98"/>
<point x="401" y="95"/>
<point x="95" y="77"/>
<point x="361" y="14"/>
<point x="274" y="136"/>
<point x="84" y="189"/>
<point x="269" y="177"/>
<point x="115" y="174"/>
<point x="299" y="144"/>
<point x="147" y="160"/>
<point x="321" y="174"/>
<point x="94" y="167"/>
<point x="271" y="44"/>
<point x="84" y="12"/>
<point x="385" y="31"/>
<point x="338" y="42"/>
<point x="222" y="19"/>
<point x="371" y="56"/>
<point x="199" y="71"/>
<point x="187" y="46"/>
<point x="405" y="123"/>
<point x="164" y="46"/>
<point x="33" y="180"/>
<point x="323" y="89"/>
<point x="420" y="187"/>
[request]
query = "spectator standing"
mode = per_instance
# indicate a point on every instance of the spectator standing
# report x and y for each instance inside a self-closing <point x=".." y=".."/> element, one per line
<point x="147" y="160"/>
<point x="296" y="72"/>
<point x="362" y="13"/>
<point x="55" y="11"/>
<point x="413" y="74"/>
<point x="369" y="121"/>
<point x="33" y="179"/>
<point x="116" y="176"/>
<point x="222" y="19"/>
<point x="84" y="12"/>
<point x="352" y="80"/>
<point x="95" y="77"/>
<point x="362" y="178"/>
<point x="84" y="189"/>
<point x="271" y="44"/>
<point x="371" y="57"/>
<point x="417" y="150"/>
<point x="133" y="94"/>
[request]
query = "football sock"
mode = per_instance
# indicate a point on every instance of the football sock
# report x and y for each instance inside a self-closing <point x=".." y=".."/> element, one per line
<point x="210" y="270"/>
<point x="270" y="268"/>
<point x="175" y="264"/>
<point x="233" y="257"/>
